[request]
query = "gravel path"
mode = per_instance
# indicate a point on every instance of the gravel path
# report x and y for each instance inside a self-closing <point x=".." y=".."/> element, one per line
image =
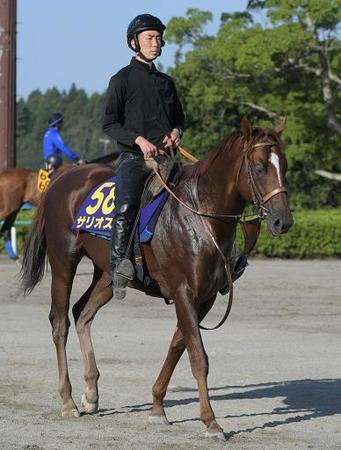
<point x="274" y="367"/>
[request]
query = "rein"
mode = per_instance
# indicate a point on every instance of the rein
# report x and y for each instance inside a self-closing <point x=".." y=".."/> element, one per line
<point x="259" y="201"/>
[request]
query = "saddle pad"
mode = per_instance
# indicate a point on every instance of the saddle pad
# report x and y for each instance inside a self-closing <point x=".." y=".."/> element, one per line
<point x="96" y="213"/>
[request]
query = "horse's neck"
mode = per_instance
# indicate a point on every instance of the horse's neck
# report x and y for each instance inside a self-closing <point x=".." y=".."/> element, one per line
<point x="215" y="192"/>
<point x="217" y="188"/>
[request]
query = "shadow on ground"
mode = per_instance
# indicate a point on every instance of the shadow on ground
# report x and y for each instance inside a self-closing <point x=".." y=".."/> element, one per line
<point x="302" y="400"/>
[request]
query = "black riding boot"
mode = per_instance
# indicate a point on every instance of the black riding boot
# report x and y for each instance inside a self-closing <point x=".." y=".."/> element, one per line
<point x="131" y="174"/>
<point x="121" y="267"/>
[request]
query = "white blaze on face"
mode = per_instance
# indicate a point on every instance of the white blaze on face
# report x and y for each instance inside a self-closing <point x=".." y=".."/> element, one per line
<point x="274" y="160"/>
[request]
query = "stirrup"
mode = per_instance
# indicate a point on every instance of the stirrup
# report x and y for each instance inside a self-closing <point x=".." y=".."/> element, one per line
<point x="122" y="274"/>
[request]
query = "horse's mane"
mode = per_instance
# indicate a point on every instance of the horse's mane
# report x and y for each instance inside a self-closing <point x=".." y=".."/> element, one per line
<point x="233" y="139"/>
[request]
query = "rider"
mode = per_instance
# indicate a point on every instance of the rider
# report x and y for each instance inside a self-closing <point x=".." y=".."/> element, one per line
<point x="142" y="113"/>
<point x="54" y="146"/>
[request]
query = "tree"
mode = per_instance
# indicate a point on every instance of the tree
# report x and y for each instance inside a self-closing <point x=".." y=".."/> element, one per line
<point x="317" y="51"/>
<point x="270" y="69"/>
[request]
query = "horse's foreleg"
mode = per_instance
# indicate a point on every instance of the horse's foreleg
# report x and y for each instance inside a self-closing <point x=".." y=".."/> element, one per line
<point x="84" y="312"/>
<point x="175" y="351"/>
<point x="189" y="319"/>
<point x="62" y="278"/>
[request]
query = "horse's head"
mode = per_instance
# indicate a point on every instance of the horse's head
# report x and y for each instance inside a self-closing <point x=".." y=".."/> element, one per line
<point x="261" y="178"/>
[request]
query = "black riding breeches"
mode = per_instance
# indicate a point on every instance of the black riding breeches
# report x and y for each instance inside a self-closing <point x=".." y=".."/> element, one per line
<point x="131" y="175"/>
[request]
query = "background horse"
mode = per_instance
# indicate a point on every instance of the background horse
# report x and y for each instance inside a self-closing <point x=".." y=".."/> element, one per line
<point x="18" y="186"/>
<point x="185" y="258"/>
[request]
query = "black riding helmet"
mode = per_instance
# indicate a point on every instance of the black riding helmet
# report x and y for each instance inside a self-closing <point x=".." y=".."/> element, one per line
<point x="141" y="23"/>
<point x="56" y="119"/>
<point x="55" y="160"/>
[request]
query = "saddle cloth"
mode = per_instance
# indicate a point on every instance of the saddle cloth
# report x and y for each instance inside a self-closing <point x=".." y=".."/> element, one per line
<point x="96" y="213"/>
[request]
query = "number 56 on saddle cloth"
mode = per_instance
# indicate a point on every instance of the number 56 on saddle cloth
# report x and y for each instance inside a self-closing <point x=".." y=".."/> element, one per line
<point x="96" y="213"/>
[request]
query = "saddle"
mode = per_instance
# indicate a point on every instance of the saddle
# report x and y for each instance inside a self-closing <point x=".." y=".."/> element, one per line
<point x="168" y="170"/>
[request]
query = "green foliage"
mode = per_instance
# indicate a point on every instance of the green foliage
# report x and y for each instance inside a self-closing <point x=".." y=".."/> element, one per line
<point x="315" y="234"/>
<point x="267" y="70"/>
<point x="188" y="30"/>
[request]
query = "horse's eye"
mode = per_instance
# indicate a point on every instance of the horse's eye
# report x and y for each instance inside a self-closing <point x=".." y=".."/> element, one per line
<point x="259" y="169"/>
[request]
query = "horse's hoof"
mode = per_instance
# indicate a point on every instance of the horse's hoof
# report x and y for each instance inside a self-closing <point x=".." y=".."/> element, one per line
<point x="89" y="408"/>
<point x="216" y="435"/>
<point x="70" y="409"/>
<point x="158" y="420"/>
<point x="70" y="413"/>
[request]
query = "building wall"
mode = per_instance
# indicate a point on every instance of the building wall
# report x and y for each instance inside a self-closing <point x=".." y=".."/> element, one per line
<point x="8" y="10"/>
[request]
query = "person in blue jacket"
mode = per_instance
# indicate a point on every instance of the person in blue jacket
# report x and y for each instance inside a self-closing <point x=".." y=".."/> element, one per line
<point x="54" y="146"/>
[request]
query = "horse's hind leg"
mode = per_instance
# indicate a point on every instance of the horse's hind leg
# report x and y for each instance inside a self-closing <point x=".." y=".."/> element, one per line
<point x="63" y="273"/>
<point x="84" y="312"/>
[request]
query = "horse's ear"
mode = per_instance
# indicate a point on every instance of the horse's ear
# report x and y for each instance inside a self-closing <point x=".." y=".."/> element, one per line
<point x="246" y="128"/>
<point x="281" y="126"/>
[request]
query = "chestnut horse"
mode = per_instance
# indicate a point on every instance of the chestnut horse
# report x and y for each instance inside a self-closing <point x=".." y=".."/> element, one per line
<point x="17" y="186"/>
<point x="185" y="258"/>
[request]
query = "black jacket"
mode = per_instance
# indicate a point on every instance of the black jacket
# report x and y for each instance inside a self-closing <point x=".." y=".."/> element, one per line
<point x="141" y="101"/>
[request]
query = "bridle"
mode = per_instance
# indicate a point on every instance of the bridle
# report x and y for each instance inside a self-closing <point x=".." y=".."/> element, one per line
<point x="258" y="199"/>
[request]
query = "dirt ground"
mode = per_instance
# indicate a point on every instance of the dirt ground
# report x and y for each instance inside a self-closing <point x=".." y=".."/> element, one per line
<point x="274" y="367"/>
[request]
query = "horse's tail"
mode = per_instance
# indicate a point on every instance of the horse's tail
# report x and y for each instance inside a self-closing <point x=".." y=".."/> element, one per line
<point x="33" y="266"/>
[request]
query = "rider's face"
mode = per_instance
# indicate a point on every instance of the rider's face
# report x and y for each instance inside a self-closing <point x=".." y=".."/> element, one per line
<point x="150" y="43"/>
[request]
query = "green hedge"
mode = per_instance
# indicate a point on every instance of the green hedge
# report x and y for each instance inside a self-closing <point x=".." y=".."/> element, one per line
<point x="315" y="234"/>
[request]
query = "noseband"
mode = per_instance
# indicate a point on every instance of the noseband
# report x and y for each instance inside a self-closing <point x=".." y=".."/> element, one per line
<point x="258" y="199"/>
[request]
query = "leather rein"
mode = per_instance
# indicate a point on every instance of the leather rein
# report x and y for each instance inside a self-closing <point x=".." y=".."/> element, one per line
<point x="258" y="199"/>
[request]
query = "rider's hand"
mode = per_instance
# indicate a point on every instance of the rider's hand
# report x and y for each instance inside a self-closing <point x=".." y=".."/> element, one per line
<point x="173" y="139"/>
<point x="148" y="149"/>
<point x="80" y="162"/>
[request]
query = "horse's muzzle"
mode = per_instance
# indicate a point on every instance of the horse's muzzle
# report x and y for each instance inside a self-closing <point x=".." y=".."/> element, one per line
<point x="279" y="224"/>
